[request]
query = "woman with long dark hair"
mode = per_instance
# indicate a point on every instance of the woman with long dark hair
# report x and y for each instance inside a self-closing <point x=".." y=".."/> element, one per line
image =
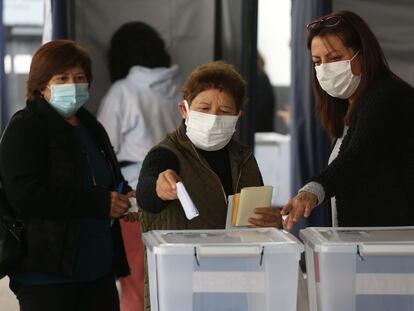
<point x="368" y="110"/>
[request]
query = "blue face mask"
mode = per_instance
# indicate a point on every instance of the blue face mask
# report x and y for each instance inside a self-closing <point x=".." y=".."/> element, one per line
<point x="66" y="99"/>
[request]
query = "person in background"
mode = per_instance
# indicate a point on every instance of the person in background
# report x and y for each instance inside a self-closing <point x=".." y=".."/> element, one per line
<point x="203" y="155"/>
<point x="62" y="179"/>
<point x="137" y="112"/>
<point x="368" y="110"/>
<point x="265" y="110"/>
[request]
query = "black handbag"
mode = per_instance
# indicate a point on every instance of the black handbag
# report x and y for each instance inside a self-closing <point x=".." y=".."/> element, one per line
<point x="12" y="248"/>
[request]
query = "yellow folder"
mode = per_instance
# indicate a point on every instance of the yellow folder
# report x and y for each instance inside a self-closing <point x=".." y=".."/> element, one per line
<point x="246" y="201"/>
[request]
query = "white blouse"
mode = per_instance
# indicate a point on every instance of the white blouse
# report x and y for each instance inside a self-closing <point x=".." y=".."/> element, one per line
<point x="334" y="154"/>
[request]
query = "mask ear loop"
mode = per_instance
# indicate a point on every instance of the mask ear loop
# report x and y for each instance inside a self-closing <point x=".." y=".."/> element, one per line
<point x="50" y="89"/>
<point x="354" y="56"/>
<point x="187" y="107"/>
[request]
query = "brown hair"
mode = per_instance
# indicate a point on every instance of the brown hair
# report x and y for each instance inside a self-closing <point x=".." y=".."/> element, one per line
<point x="216" y="75"/>
<point x="356" y="34"/>
<point x="53" y="58"/>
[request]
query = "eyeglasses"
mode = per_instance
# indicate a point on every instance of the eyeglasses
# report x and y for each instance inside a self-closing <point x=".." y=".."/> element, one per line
<point x="328" y="22"/>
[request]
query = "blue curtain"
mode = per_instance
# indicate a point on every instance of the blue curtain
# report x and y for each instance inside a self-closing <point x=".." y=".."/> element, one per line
<point x="60" y="19"/>
<point x="3" y="84"/>
<point x="309" y="145"/>
<point x="249" y="67"/>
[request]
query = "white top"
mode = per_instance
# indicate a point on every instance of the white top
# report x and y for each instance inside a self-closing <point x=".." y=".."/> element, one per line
<point x="138" y="112"/>
<point x="332" y="157"/>
<point x="317" y="189"/>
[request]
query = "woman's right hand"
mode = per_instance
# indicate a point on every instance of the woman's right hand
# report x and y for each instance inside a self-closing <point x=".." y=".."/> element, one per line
<point x="300" y="205"/>
<point x="119" y="204"/>
<point x="166" y="185"/>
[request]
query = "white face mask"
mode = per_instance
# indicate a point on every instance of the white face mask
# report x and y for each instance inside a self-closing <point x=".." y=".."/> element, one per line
<point x="337" y="78"/>
<point x="209" y="132"/>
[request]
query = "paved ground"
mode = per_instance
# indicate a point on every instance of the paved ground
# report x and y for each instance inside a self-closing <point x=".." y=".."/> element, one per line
<point x="8" y="301"/>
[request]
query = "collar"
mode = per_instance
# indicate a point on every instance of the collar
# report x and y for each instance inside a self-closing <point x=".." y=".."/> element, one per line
<point x="53" y="120"/>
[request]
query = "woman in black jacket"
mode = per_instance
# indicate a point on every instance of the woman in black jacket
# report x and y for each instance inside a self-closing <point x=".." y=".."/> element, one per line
<point x="368" y="110"/>
<point x="61" y="177"/>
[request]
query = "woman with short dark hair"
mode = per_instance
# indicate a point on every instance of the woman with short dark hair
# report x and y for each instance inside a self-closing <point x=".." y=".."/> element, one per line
<point x="204" y="156"/>
<point x="62" y="179"/>
<point x="368" y="110"/>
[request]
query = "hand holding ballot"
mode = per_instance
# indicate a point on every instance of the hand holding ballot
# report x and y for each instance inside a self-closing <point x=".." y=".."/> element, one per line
<point x="166" y="186"/>
<point x="169" y="187"/>
<point x="251" y="207"/>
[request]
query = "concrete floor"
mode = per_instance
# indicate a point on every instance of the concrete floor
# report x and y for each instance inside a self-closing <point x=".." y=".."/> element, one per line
<point x="302" y="302"/>
<point x="8" y="301"/>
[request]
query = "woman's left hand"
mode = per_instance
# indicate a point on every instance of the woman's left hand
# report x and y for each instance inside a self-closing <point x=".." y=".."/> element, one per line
<point x="301" y="205"/>
<point x="131" y="216"/>
<point x="268" y="217"/>
<point x="131" y="194"/>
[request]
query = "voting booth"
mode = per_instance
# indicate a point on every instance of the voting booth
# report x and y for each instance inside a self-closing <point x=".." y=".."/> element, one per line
<point x="210" y="270"/>
<point x="272" y="153"/>
<point x="360" y="269"/>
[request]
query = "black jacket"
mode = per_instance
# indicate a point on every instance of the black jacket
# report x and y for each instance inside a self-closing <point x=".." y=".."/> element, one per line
<point x="43" y="174"/>
<point x="373" y="176"/>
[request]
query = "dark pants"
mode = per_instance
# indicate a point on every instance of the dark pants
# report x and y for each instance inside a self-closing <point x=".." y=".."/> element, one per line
<point x="100" y="294"/>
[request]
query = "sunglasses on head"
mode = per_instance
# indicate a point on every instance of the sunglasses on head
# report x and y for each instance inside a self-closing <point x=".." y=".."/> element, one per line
<point x="327" y="22"/>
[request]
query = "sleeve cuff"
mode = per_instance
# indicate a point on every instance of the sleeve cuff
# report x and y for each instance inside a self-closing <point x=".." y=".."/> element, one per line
<point x="315" y="188"/>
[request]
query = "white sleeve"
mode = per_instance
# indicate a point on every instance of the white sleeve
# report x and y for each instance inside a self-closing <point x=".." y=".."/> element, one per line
<point x="110" y="115"/>
<point x="315" y="188"/>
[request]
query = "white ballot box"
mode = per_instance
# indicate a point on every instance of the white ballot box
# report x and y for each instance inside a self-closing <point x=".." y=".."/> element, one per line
<point x="223" y="270"/>
<point x="360" y="269"/>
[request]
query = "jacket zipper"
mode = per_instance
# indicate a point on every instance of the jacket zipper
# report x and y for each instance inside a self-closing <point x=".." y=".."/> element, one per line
<point x="110" y="167"/>
<point x="240" y="173"/>
<point x="91" y="171"/>
<point x="90" y="168"/>
<point x="212" y="172"/>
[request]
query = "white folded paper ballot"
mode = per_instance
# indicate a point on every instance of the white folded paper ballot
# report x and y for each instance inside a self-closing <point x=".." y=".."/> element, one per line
<point x="134" y="206"/>
<point x="189" y="208"/>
